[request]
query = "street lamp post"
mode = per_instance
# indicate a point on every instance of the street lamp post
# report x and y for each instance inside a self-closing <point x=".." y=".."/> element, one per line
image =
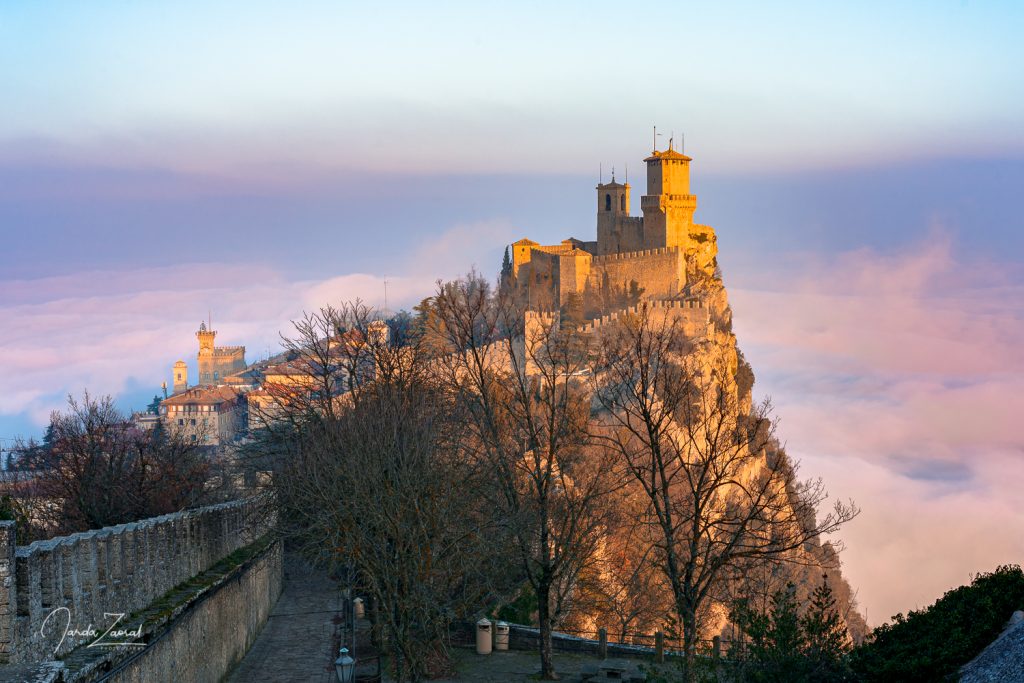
<point x="345" y="667"/>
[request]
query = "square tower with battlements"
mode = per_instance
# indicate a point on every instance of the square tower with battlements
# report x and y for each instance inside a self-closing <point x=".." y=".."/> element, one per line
<point x="217" y="362"/>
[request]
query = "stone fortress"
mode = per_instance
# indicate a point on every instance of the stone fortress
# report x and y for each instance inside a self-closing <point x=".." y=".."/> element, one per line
<point x="651" y="257"/>
<point x="217" y="362"/>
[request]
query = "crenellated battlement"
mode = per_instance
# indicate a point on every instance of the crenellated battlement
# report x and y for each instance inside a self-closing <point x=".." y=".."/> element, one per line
<point x="693" y="313"/>
<point x="626" y="255"/>
<point x="118" y="569"/>
<point x="545" y="317"/>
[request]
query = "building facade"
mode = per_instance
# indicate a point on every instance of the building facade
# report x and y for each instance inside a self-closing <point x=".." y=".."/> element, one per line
<point x="212" y="416"/>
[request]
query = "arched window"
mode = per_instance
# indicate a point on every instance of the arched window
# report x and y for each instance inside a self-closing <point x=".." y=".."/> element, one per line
<point x="607" y="202"/>
<point x="622" y="203"/>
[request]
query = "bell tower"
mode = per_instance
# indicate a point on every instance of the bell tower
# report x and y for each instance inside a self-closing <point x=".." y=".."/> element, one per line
<point x="612" y="208"/>
<point x="668" y="205"/>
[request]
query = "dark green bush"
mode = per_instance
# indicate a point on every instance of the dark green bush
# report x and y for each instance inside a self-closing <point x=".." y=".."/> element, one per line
<point x="933" y="643"/>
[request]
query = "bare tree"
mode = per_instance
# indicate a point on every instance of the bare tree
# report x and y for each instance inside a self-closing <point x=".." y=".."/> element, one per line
<point x="98" y="469"/>
<point x="718" y="494"/>
<point x="371" y="474"/>
<point x="527" y="403"/>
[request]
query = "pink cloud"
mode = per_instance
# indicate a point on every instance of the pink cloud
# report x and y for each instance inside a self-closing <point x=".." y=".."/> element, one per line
<point x="105" y="330"/>
<point x="896" y="377"/>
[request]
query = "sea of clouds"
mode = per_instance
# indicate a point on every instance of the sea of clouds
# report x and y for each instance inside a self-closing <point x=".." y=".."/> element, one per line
<point x="896" y="375"/>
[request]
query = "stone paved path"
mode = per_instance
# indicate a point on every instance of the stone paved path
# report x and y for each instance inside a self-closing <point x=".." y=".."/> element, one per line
<point x="296" y="645"/>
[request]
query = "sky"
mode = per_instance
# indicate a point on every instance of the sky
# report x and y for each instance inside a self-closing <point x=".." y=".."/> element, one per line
<point x="165" y="162"/>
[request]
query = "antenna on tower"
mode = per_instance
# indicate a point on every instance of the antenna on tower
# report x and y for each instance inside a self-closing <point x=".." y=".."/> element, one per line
<point x="627" y="174"/>
<point x="613" y="174"/>
<point x="600" y="173"/>
<point x="655" y="138"/>
<point x="671" y="140"/>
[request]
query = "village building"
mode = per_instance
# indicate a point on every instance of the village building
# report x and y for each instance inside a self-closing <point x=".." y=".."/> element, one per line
<point x="212" y="416"/>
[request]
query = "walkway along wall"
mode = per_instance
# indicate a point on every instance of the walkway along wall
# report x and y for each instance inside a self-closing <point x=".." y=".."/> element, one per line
<point x="121" y="569"/>
<point x="211" y="635"/>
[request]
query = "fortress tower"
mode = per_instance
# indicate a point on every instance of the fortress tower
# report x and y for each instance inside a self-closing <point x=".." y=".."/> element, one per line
<point x="668" y="205"/>
<point x="217" y="362"/>
<point x="180" y="376"/>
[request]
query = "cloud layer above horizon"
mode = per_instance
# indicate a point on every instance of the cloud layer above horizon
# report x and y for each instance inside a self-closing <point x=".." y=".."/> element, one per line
<point x="895" y="375"/>
<point x="897" y="378"/>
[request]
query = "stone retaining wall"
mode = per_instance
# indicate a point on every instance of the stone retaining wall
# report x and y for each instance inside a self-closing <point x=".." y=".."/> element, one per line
<point x="116" y="569"/>
<point x="527" y="638"/>
<point x="213" y="635"/>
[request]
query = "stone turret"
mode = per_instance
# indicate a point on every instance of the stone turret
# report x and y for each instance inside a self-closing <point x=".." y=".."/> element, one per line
<point x="668" y="205"/>
<point x="180" y="376"/>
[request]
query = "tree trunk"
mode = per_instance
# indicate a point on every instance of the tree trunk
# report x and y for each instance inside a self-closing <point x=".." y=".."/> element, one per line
<point x="689" y="644"/>
<point x="547" y="667"/>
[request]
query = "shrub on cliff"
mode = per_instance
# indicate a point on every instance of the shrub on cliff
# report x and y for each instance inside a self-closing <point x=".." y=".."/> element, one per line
<point x="933" y="643"/>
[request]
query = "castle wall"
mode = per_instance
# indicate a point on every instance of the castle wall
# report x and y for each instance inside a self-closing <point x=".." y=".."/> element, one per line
<point x="209" y="639"/>
<point x="618" y="233"/>
<point x="693" y="317"/>
<point x="222" y="361"/>
<point x="574" y="271"/>
<point x="116" y="569"/>
<point x="661" y="272"/>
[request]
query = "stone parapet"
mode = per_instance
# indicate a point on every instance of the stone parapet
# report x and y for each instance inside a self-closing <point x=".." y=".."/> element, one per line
<point x="120" y="569"/>
<point x="625" y="255"/>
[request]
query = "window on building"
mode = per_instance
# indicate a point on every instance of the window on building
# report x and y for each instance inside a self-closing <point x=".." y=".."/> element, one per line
<point x="216" y="375"/>
<point x="181" y="421"/>
<point x="622" y="203"/>
<point x="192" y="422"/>
<point x="607" y="202"/>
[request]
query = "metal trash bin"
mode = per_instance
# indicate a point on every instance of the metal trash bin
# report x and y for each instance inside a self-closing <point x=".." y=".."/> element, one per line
<point x="483" y="637"/>
<point x="501" y="632"/>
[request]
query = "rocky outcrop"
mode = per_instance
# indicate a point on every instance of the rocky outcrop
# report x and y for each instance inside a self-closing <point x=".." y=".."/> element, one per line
<point x="1003" y="660"/>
